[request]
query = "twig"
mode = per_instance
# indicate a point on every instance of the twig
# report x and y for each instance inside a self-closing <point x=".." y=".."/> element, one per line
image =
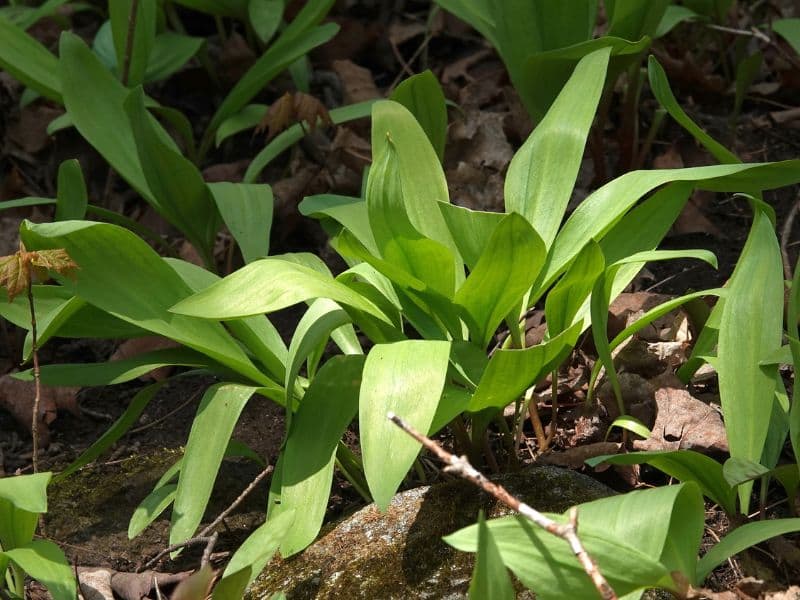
<point x="126" y="65"/>
<point x="568" y="531"/>
<point x="36" y="379"/>
<point x="786" y="233"/>
<point x="203" y="537"/>
<point x="177" y="409"/>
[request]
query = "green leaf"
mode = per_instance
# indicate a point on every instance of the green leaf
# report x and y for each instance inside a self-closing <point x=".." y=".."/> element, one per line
<point x="740" y="539"/>
<point x="28" y="61"/>
<point x="299" y="38"/>
<point x="72" y="197"/>
<point x="684" y="465"/>
<point x="632" y="20"/>
<point x="328" y="407"/>
<point x="247" y="211"/>
<point x="505" y="272"/>
<point x="296" y="132"/>
<point x="26" y="492"/>
<point x="268" y="285"/>
<point x="663" y="93"/>
<point x="788" y="29"/>
<point x="170" y="52"/>
<point x="673" y="16"/>
<point x="350" y="213"/>
<point x="750" y="329"/>
<point x="406" y="378"/>
<point x="220" y="8"/>
<point x="631" y="424"/>
<point x="211" y="430"/>
<point x="116" y="431"/>
<point x="150" y="508"/>
<point x="490" y="578"/>
<point x="570" y="293"/>
<point x="422" y="184"/>
<point x="740" y="470"/>
<point x="179" y="192"/>
<point x="45" y="562"/>
<point x="247" y="118"/>
<point x="94" y="100"/>
<point x="746" y="72"/>
<point x="144" y="33"/>
<point x="253" y="555"/>
<point x="422" y="95"/>
<point x="510" y="372"/>
<point x="543" y="172"/>
<point x="120" y="274"/>
<point x="471" y="229"/>
<point x="265" y="17"/>
<point x="598" y="213"/>
<point x="637" y="539"/>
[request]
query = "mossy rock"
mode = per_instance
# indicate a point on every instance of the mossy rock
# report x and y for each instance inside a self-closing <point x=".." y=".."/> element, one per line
<point x="400" y="553"/>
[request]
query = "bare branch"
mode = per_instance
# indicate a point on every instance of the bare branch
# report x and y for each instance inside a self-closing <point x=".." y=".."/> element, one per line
<point x="460" y="466"/>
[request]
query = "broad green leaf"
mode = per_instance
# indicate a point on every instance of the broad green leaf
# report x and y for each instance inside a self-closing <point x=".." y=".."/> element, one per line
<point x="247" y="118"/>
<point x="543" y="172"/>
<point x="510" y="372"/>
<point x="133" y="55"/>
<point x="268" y="285"/>
<point x="350" y="213"/>
<point x="28" y="61"/>
<point x="673" y="16"/>
<point x="746" y="72"/>
<point x="26" y="492"/>
<point x="636" y="538"/>
<point x="72" y="197"/>
<point x="116" y="431"/>
<point x="150" y="508"/>
<point x="328" y="407"/>
<point x="45" y="9"/>
<point x="253" y="555"/>
<point x="399" y="242"/>
<point x="422" y="95"/>
<point x="45" y="562"/>
<point x="471" y="229"/>
<point x="179" y="192"/>
<point x="406" y="378"/>
<point x="684" y="465"/>
<point x="421" y="179"/>
<point x="788" y="29"/>
<point x="490" y="578"/>
<point x="663" y="93"/>
<point x="299" y="38"/>
<point x="120" y="274"/>
<point x="220" y="8"/>
<point x="571" y="291"/>
<point x="597" y="214"/>
<point x="247" y="211"/>
<point x="632" y="20"/>
<point x="265" y="17"/>
<point x="296" y="132"/>
<point x="740" y="539"/>
<point x="257" y="333"/>
<point x="739" y="470"/>
<point x="506" y="270"/>
<point x="750" y="329"/>
<point x="94" y="100"/>
<point x="170" y="52"/>
<point x="211" y="430"/>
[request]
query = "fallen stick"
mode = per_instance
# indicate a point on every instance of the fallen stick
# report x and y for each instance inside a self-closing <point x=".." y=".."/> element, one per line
<point x="460" y="466"/>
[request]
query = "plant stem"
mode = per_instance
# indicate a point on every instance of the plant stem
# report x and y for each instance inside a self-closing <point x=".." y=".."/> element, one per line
<point x="126" y="64"/>
<point x="36" y="383"/>
<point x="566" y="531"/>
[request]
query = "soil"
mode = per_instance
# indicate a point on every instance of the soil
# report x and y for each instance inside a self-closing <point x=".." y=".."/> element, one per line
<point x="90" y="510"/>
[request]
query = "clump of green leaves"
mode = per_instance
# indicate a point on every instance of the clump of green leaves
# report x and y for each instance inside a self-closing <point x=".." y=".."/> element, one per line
<point x="22" y="499"/>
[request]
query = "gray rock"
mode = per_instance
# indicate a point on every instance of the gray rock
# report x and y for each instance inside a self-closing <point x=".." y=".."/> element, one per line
<point x="400" y="553"/>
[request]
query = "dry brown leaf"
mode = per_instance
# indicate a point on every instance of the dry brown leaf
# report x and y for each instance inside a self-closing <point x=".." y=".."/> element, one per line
<point x="293" y="108"/>
<point x="358" y="84"/>
<point x="16" y="397"/>
<point x="669" y="159"/>
<point x="135" y="586"/>
<point x="684" y="422"/>
<point x="235" y="59"/>
<point x="29" y="132"/>
<point x="693" y="220"/>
